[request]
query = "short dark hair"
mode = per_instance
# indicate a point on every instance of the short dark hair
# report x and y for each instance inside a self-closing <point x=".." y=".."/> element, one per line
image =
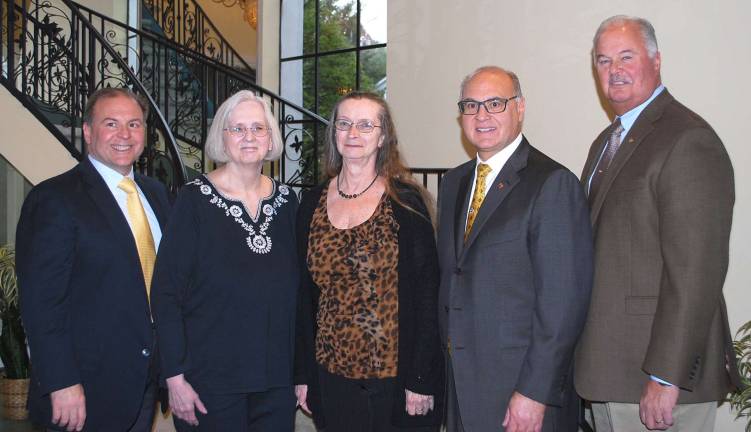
<point x="110" y="92"/>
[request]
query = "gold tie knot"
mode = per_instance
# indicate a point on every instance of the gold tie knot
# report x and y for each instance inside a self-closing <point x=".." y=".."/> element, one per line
<point x="483" y="170"/>
<point x="128" y="185"/>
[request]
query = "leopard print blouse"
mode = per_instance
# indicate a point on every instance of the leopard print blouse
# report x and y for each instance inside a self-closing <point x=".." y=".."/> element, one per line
<point x="356" y="270"/>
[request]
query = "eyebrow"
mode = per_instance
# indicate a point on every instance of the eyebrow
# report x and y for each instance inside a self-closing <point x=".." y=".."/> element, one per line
<point x="626" y="51"/>
<point x="106" y="119"/>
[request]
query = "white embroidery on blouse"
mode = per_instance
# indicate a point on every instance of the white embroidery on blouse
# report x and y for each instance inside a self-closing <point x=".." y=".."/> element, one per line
<point x="258" y="241"/>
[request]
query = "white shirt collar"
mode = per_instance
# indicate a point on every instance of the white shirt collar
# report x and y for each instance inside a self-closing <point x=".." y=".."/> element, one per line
<point x="498" y="160"/>
<point x="110" y="176"/>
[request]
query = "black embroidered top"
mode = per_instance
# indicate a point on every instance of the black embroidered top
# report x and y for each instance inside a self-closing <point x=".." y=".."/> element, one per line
<point x="224" y="289"/>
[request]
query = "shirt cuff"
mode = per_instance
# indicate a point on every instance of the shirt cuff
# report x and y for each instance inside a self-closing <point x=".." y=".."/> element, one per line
<point x="661" y="381"/>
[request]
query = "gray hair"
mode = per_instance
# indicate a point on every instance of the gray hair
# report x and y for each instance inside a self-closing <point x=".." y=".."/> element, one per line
<point x="645" y="28"/>
<point x="214" y="146"/>
<point x="496" y="69"/>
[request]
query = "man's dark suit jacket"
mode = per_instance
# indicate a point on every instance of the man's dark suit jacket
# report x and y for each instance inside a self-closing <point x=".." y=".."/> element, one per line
<point x="83" y="298"/>
<point x="513" y="299"/>
<point x="661" y="221"/>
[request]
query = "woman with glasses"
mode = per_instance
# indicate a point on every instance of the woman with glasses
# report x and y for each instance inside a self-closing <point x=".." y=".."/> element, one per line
<point x="368" y="355"/>
<point x="225" y="283"/>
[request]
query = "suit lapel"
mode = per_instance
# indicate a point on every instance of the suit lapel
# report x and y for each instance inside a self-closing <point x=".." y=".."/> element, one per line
<point x="503" y="184"/>
<point x="462" y="203"/>
<point x="155" y="203"/>
<point x="103" y="200"/>
<point x="643" y="126"/>
<point x="594" y="156"/>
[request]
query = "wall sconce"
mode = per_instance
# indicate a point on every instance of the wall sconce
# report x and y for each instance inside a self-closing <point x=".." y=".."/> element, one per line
<point x="249" y="7"/>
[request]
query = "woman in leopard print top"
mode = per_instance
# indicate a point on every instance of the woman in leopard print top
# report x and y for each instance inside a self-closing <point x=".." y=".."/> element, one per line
<point x="368" y="355"/>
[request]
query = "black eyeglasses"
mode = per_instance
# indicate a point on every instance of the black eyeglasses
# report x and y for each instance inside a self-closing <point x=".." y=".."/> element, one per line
<point x="258" y="131"/>
<point x="365" y="126"/>
<point x="493" y="105"/>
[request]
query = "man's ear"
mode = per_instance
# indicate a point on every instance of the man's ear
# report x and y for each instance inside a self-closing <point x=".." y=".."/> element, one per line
<point x="86" y="133"/>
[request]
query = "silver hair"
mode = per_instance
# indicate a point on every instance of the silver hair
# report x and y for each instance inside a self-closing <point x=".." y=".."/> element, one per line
<point x="645" y="28"/>
<point x="214" y="146"/>
<point x="496" y="69"/>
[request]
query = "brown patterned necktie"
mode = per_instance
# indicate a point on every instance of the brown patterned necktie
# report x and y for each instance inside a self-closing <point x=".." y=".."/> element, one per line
<point x="614" y="141"/>
<point x="482" y="173"/>
<point x="141" y="230"/>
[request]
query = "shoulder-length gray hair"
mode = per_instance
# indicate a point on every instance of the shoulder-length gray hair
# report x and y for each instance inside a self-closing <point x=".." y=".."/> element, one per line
<point x="215" y="139"/>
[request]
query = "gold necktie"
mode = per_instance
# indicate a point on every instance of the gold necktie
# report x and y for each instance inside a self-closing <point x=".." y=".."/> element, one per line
<point x="141" y="231"/>
<point x="482" y="172"/>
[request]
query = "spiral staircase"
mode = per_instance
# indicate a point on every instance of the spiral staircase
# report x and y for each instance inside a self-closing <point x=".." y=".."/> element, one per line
<point x="55" y="53"/>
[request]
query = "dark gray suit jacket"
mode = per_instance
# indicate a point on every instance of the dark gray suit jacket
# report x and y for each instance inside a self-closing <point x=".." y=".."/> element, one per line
<point x="513" y="299"/>
<point x="661" y="221"/>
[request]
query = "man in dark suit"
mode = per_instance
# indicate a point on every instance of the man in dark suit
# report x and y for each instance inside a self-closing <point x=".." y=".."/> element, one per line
<point x="516" y="270"/>
<point x="656" y="349"/>
<point x="85" y="251"/>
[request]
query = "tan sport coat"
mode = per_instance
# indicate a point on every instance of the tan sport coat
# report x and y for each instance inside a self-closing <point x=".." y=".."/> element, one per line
<point x="661" y="223"/>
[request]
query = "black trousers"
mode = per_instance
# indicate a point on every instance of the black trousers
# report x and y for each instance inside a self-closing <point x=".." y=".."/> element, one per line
<point x="268" y="411"/>
<point x="360" y="405"/>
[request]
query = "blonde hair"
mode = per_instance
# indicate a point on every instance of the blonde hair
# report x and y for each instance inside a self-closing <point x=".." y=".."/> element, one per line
<point x="214" y="146"/>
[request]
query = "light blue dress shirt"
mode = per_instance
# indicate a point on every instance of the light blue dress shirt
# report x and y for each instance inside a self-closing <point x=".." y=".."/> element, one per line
<point x="627" y="121"/>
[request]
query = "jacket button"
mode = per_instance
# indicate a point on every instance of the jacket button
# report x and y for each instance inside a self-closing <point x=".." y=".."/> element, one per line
<point x="458" y="271"/>
<point x="146" y="352"/>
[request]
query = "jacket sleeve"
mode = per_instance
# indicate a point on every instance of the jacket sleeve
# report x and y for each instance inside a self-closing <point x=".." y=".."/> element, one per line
<point x="45" y="255"/>
<point x="426" y="368"/>
<point x="560" y="248"/>
<point x="695" y="196"/>
<point x="305" y="320"/>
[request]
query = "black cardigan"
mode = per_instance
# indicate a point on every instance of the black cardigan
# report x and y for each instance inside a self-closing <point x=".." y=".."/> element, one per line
<point x="420" y="360"/>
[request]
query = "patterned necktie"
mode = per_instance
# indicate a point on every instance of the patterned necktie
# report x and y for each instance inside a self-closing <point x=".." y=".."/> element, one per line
<point x="482" y="173"/>
<point x="141" y="230"/>
<point x="614" y="141"/>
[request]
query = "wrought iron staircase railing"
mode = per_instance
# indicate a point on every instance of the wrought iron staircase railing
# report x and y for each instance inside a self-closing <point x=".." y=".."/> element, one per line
<point x="185" y="23"/>
<point x="53" y="58"/>
<point x="188" y="86"/>
<point x="69" y="50"/>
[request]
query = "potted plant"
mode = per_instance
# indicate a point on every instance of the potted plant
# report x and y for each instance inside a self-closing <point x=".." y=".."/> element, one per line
<point x="740" y="401"/>
<point x="14" y="385"/>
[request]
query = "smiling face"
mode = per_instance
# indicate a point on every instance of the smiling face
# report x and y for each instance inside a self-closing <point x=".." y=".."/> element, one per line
<point x="627" y="75"/>
<point x="249" y="149"/>
<point x="490" y="133"/>
<point x="116" y="135"/>
<point x="354" y="144"/>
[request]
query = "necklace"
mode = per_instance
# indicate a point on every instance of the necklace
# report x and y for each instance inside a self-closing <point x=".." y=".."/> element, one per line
<point x="354" y="195"/>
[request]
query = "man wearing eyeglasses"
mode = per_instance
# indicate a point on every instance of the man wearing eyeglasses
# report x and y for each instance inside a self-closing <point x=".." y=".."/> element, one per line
<point x="516" y="270"/>
<point x="656" y="348"/>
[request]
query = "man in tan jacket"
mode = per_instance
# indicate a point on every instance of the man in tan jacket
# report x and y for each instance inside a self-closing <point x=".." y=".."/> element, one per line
<point x="656" y="349"/>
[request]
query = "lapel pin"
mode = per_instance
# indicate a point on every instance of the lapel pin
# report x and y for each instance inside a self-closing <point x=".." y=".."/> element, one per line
<point x="501" y="185"/>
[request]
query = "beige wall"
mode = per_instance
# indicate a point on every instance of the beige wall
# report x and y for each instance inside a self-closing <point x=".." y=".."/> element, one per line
<point x="706" y="53"/>
<point x="268" y="35"/>
<point x="27" y="145"/>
